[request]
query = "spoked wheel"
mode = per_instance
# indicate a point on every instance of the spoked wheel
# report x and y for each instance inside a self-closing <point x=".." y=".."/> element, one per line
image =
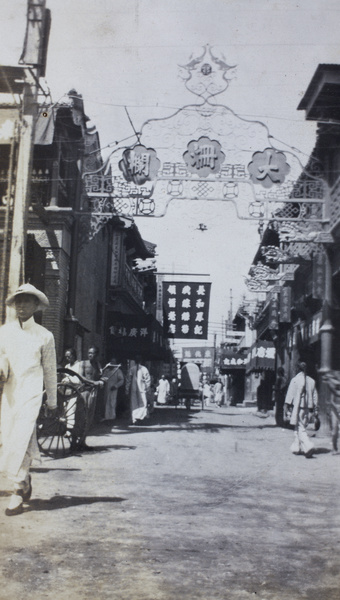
<point x="59" y="434"/>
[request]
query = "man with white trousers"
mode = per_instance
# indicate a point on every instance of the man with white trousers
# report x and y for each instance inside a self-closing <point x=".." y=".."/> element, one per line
<point x="302" y="400"/>
<point x="27" y="364"/>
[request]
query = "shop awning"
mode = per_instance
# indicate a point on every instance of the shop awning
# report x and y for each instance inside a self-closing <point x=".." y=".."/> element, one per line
<point x="232" y="360"/>
<point x="261" y="357"/>
<point x="129" y="334"/>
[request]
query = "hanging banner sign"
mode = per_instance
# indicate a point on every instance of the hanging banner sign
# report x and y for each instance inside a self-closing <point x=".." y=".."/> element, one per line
<point x="134" y="333"/>
<point x="318" y="276"/>
<point x="204" y="156"/>
<point x="139" y="164"/>
<point x="274" y="312"/>
<point x="116" y="258"/>
<point x="285" y="304"/>
<point x="186" y="309"/>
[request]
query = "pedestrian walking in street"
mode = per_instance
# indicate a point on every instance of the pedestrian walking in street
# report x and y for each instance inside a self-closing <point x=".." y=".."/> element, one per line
<point x="300" y="402"/>
<point x="91" y="370"/>
<point x="281" y="385"/>
<point x="79" y="423"/>
<point x="207" y="395"/>
<point x="73" y="365"/>
<point x="28" y="362"/>
<point x="113" y="378"/>
<point x="218" y="392"/>
<point x="163" y="390"/>
<point x="174" y="391"/>
<point x="137" y="385"/>
<point x="264" y="395"/>
<point x="332" y="378"/>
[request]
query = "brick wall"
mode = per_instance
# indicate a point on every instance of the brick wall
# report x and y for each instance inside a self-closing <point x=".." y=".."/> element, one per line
<point x="91" y="289"/>
<point x="56" y="286"/>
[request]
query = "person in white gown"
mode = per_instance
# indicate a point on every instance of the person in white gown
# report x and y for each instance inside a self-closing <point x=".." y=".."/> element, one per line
<point x="28" y="363"/>
<point x="137" y="385"/>
<point x="163" y="390"/>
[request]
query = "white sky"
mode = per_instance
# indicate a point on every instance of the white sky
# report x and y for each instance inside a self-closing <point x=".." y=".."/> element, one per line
<point x="120" y="53"/>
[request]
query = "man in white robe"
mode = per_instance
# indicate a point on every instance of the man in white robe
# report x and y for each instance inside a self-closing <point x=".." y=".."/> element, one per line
<point x="163" y="390"/>
<point x="302" y="400"/>
<point x="218" y="392"/>
<point x="137" y="385"/>
<point x="28" y="362"/>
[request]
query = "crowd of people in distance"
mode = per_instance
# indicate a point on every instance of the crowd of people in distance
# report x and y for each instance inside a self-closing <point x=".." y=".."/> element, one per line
<point x="213" y="393"/>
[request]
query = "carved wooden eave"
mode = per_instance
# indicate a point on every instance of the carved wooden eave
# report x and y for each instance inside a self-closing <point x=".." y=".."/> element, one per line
<point x="321" y="100"/>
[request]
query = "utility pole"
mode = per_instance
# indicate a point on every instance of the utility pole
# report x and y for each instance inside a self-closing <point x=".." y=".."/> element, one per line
<point x="22" y="185"/>
<point x="33" y="59"/>
<point x="231" y="309"/>
<point x="215" y="354"/>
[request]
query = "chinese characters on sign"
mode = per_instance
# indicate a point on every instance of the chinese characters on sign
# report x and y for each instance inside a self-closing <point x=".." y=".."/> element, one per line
<point x="199" y="355"/>
<point x="186" y="309"/>
<point x="318" y="276"/>
<point x="261" y="356"/>
<point x="129" y="334"/>
<point x="305" y="331"/>
<point x="116" y="259"/>
<point x="285" y="304"/>
<point x="274" y="312"/>
<point x="231" y="360"/>
<point x="268" y="167"/>
<point x="204" y="156"/>
<point x="120" y="331"/>
<point x="139" y="164"/>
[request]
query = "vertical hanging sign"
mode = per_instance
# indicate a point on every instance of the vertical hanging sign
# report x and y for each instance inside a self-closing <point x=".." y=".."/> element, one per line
<point x="116" y="258"/>
<point x="285" y="304"/>
<point x="159" y="299"/>
<point x="318" y="276"/>
<point x="274" y="312"/>
<point x="186" y="309"/>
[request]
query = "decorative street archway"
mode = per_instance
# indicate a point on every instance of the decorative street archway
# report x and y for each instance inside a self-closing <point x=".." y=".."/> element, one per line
<point x="205" y="151"/>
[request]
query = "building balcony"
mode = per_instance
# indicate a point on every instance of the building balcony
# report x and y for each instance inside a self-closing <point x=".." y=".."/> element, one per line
<point x="133" y="285"/>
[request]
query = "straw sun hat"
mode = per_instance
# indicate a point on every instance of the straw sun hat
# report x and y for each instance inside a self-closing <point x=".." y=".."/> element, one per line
<point x="27" y="288"/>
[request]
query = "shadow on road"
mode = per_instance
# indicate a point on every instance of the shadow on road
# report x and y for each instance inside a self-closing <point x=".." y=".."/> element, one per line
<point x="322" y="451"/>
<point x="177" y="419"/>
<point x="58" y="502"/>
<point x="47" y="470"/>
<point x="101" y="448"/>
<point x="5" y="494"/>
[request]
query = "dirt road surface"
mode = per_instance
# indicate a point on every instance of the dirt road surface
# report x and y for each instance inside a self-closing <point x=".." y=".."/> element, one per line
<point x="205" y="505"/>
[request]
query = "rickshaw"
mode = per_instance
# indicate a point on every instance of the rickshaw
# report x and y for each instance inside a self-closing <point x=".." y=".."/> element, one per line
<point x="59" y="435"/>
<point x="190" y="388"/>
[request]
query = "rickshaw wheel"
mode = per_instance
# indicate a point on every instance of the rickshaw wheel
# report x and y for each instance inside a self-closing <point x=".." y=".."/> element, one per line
<point x="58" y="435"/>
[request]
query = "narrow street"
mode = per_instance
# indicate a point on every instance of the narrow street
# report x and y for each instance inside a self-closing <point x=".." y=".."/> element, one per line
<point x="207" y="504"/>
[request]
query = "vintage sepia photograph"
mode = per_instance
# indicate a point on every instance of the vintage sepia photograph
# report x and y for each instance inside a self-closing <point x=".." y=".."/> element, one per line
<point x="169" y="299"/>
